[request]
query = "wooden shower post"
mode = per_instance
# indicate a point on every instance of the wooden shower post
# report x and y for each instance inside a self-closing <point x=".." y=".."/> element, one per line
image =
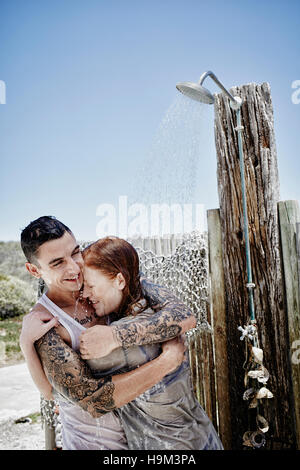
<point x="289" y="220"/>
<point x="262" y="189"/>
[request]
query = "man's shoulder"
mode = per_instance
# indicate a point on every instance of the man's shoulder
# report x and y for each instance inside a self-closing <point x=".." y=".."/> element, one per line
<point x="39" y="308"/>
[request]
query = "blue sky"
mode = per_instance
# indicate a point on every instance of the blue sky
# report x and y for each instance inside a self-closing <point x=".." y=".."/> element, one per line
<point x="88" y="83"/>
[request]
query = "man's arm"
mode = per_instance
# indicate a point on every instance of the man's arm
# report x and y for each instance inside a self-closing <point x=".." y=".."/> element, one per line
<point x="34" y="325"/>
<point x="72" y="378"/>
<point x="171" y="318"/>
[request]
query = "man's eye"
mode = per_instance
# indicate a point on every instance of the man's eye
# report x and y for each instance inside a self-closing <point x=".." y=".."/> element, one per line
<point x="76" y="253"/>
<point x="57" y="264"/>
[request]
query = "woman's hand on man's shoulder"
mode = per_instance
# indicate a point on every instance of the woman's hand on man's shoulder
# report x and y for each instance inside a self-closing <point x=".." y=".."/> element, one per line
<point x="36" y="324"/>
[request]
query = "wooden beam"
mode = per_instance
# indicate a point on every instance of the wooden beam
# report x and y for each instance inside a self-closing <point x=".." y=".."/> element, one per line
<point x="289" y="218"/>
<point x="218" y="321"/>
<point x="50" y="442"/>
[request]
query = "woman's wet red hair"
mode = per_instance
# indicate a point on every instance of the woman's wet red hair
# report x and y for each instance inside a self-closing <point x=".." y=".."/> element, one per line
<point x="113" y="255"/>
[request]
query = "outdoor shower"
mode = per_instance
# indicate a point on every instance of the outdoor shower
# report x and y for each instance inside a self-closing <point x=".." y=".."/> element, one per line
<point x="197" y="92"/>
<point x="257" y="438"/>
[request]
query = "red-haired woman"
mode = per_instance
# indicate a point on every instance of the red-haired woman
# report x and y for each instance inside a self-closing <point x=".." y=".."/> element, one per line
<point x="167" y="416"/>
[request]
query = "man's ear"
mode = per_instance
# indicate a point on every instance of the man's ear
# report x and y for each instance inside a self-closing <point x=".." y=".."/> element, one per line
<point x="33" y="270"/>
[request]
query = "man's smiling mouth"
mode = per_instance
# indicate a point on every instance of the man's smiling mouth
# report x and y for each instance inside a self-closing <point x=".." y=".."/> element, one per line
<point x="73" y="279"/>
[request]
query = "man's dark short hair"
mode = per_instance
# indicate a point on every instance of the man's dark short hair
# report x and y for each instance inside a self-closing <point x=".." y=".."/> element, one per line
<point x="38" y="232"/>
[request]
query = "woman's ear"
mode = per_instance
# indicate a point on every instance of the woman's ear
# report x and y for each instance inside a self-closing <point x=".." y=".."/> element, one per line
<point x="120" y="281"/>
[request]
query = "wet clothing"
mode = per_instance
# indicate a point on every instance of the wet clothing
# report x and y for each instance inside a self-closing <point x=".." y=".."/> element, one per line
<point x="80" y="431"/>
<point x="167" y="416"/>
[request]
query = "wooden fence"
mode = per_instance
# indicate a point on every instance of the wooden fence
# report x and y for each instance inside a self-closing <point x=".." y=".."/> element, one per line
<point x="231" y="406"/>
<point x="210" y="354"/>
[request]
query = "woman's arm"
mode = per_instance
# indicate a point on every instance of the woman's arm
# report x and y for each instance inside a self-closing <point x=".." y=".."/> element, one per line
<point x="171" y="318"/>
<point x="72" y="378"/>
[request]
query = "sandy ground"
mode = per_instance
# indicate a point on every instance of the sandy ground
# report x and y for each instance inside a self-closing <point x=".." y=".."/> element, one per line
<point x="21" y="436"/>
<point x="19" y="398"/>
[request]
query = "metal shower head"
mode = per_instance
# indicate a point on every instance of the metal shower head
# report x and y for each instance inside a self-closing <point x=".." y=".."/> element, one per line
<point x="197" y="92"/>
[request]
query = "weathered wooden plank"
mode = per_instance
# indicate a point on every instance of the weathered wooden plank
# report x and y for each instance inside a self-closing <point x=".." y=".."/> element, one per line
<point x="262" y="189"/>
<point x="208" y="380"/>
<point x="289" y="218"/>
<point x="50" y="442"/>
<point x="218" y="313"/>
<point x="210" y="388"/>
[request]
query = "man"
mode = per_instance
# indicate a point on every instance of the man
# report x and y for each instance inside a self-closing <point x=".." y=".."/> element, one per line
<point x="53" y="254"/>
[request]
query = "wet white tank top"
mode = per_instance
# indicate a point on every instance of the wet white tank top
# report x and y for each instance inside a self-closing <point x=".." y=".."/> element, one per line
<point x="80" y="431"/>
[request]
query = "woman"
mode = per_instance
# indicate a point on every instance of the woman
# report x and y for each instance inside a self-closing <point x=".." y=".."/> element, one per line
<point x="167" y="416"/>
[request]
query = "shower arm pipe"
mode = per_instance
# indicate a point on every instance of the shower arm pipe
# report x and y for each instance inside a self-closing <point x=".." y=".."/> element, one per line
<point x="212" y="75"/>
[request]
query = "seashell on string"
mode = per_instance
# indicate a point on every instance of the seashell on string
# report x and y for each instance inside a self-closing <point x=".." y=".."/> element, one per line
<point x="262" y="423"/>
<point x="253" y="403"/>
<point x="264" y="393"/>
<point x="257" y="354"/>
<point x="254" y="374"/>
<point x="264" y="379"/>
<point x="262" y="375"/>
<point x="254" y="439"/>
<point x="257" y="439"/>
<point x="246" y="439"/>
<point x="249" y="393"/>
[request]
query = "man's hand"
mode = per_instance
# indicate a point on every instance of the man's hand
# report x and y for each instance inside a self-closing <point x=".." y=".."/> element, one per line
<point x="35" y="325"/>
<point x="97" y="341"/>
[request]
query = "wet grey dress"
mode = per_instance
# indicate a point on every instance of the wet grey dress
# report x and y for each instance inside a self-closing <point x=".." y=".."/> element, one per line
<point x="167" y="416"/>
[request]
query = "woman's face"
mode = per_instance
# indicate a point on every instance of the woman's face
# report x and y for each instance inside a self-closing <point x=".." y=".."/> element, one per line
<point x="105" y="293"/>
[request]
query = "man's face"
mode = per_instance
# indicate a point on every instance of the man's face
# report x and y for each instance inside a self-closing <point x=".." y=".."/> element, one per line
<point x="60" y="263"/>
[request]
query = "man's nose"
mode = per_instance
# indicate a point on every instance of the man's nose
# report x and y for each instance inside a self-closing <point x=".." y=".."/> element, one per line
<point x="73" y="266"/>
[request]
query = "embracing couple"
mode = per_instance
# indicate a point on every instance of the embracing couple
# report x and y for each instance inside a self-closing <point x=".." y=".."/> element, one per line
<point x="107" y="344"/>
